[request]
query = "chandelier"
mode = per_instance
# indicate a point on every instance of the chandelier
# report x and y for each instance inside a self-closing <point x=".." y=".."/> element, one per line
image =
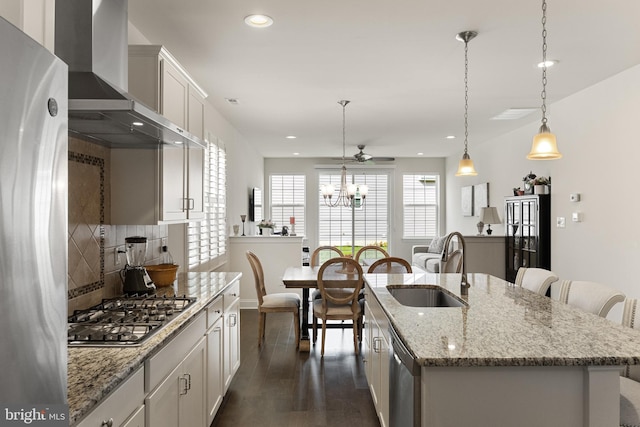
<point x="544" y="146"/>
<point x="465" y="167"/>
<point x="349" y="195"/>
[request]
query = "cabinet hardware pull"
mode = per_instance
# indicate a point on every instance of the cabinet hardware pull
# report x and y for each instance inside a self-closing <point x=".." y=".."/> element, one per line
<point x="191" y="204"/>
<point x="108" y="423"/>
<point x="235" y="322"/>
<point x="185" y="389"/>
<point x="185" y="204"/>
<point x="188" y="381"/>
<point x="375" y="347"/>
<point x="218" y="329"/>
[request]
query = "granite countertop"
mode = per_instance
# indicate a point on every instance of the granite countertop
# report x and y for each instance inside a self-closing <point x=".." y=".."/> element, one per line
<point x="503" y="325"/>
<point x="93" y="372"/>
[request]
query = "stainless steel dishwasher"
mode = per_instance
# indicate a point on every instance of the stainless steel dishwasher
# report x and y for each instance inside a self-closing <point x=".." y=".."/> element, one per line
<point x="404" y="385"/>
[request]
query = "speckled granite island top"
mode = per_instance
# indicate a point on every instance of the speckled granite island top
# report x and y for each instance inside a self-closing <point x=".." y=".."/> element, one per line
<point x="93" y="372"/>
<point x="503" y="325"/>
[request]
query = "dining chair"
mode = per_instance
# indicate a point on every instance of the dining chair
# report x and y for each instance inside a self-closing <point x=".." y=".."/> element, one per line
<point x="592" y="297"/>
<point x="370" y="252"/>
<point x="324" y="253"/>
<point x="339" y="281"/>
<point x="272" y="303"/>
<point x="390" y="265"/>
<point x="537" y="280"/>
<point x="630" y="376"/>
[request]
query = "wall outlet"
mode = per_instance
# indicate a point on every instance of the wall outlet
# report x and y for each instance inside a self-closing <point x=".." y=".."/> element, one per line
<point x="560" y="222"/>
<point x="576" y="217"/>
<point x="574" y="197"/>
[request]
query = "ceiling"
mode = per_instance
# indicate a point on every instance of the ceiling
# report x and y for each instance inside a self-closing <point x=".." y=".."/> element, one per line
<point x="398" y="62"/>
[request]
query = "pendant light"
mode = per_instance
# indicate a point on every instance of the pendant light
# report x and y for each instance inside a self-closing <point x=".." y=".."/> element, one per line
<point x="544" y="145"/>
<point x="348" y="194"/>
<point x="465" y="167"/>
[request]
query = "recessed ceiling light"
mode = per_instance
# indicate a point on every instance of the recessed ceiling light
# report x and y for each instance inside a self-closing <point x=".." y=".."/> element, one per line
<point x="420" y="154"/>
<point x="179" y="142"/>
<point x="291" y="137"/>
<point x="137" y="124"/>
<point x="258" y="21"/>
<point x="548" y="63"/>
<point x="451" y="137"/>
<point x="514" y="113"/>
<point x="233" y="101"/>
<point x="296" y="154"/>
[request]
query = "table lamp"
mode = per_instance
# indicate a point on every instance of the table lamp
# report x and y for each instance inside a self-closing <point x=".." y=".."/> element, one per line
<point x="489" y="216"/>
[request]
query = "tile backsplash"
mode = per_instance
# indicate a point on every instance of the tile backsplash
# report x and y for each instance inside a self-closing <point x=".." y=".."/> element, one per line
<point x="94" y="265"/>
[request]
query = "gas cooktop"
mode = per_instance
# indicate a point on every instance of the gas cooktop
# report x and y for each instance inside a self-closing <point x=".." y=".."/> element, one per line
<point x="123" y="321"/>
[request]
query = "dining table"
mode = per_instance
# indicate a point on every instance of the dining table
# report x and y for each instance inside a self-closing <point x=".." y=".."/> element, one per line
<point x="305" y="278"/>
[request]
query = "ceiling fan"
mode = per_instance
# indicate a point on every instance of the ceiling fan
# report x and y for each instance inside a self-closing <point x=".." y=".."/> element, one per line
<point x="362" y="157"/>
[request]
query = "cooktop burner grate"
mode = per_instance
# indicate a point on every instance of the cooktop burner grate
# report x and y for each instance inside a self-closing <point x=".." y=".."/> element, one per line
<point x="123" y="321"/>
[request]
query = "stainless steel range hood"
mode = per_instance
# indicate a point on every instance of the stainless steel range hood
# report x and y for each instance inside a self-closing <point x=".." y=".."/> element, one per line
<point x="91" y="37"/>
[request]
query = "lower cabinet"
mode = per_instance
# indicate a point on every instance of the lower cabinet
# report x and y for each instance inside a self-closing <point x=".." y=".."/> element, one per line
<point x="179" y="399"/>
<point x="124" y="407"/>
<point x="136" y="420"/>
<point x="376" y="352"/>
<point x="231" y="334"/>
<point x="215" y="369"/>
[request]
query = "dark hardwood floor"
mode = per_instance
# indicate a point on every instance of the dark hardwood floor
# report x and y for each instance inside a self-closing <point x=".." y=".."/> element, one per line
<point x="277" y="385"/>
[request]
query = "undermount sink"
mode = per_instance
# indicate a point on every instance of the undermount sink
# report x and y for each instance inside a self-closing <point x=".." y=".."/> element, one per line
<point x="417" y="296"/>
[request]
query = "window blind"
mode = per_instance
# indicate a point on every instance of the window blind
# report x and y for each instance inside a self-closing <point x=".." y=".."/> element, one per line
<point x="420" y="205"/>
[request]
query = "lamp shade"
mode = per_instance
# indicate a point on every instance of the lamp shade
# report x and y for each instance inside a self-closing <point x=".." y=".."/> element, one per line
<point x="544" y="146"/>
<point x="489" y="215"/>
<point x="465" y="167"/>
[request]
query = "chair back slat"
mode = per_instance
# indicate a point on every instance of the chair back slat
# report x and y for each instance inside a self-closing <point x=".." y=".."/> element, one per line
<point x="390" y="265"/>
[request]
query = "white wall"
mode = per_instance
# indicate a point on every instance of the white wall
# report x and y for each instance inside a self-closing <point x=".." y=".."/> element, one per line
<point x="597" y="135"/>
<point x="307" y="166"/>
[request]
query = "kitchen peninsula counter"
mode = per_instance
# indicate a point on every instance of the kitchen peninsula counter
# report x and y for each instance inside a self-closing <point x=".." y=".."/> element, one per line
<point x="93" y="372"/>
<point x="510" y="352"/>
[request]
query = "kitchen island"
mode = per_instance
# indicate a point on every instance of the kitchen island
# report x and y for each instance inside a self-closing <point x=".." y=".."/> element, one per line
<point x="94" y="372"/>
<point x="509" y="356"/>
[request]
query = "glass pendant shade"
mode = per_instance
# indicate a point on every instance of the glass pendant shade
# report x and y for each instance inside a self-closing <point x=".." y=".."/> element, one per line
<point x="544" y="146"/>
<point x="465" y="167"/>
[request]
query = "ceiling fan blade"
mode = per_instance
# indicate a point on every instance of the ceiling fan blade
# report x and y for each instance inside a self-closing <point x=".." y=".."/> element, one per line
<point x="383" y="159"/>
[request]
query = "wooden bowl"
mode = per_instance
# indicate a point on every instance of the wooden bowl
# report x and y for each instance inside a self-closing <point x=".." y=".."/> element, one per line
<point x="162" y="274"/>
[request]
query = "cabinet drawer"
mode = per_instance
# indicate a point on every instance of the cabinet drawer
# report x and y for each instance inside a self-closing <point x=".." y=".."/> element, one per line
<point x="161" y="364"/>
<point x="214" y="311"/>
<point x="231" y="295"/>
<point x="120" y="404"/>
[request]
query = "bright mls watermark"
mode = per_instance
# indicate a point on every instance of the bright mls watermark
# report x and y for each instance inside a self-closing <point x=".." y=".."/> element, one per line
<point x="36" y="415"/>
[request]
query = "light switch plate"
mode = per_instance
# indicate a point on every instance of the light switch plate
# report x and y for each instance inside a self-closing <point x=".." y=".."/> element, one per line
<point x="576" y="217"/>
<point x="560" y="222"/>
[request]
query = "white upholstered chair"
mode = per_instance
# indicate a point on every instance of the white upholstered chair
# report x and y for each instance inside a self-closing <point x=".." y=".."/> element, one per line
<point x="592" y="297"/>
<point x="536" y="280"/>
<point x="273" y="303"/>
<point x="630" y="378"/>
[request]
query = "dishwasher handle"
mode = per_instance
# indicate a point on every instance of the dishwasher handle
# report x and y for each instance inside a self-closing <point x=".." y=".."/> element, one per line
<point x="403" y="355"/>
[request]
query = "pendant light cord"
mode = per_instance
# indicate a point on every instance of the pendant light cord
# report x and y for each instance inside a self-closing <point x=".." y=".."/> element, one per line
<point x="544" y="62"/>
<point x="466" y="94"/>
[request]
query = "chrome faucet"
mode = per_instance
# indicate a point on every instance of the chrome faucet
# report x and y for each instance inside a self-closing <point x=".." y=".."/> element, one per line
<point x="464" y="284"/>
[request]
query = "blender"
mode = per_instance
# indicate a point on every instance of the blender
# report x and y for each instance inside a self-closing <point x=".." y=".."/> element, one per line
<point x="135" y="279"/>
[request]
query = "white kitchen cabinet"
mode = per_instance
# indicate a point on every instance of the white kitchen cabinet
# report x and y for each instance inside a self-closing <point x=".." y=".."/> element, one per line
<point x="120" y="406"/>
<point x="215" y="348"/>
<point x="179" y="399"/>
<point x="377" y="356"/>
<point x="151" y="186"/>
<point x="231" y="333"/>
<point x="158" y="80"/>
<point x="137" y="419"/>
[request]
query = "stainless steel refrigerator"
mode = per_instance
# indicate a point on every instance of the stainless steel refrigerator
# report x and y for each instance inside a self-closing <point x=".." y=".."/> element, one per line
<point x="33" y="224"/>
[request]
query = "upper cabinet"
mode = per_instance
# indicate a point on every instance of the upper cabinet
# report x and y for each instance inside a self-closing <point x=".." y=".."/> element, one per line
<point x="160" y="82"/>
<point x="164" y="184"/>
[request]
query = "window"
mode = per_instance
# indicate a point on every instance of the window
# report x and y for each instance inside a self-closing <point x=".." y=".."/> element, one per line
<point x="420" y="205"/>
<point x="368" y="225"/>
<point x="206" y="239"/>
<point x="287" y="200"/>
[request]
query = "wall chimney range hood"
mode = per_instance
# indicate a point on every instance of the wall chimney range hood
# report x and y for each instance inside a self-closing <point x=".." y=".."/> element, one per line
<point x="91" y="37"/>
